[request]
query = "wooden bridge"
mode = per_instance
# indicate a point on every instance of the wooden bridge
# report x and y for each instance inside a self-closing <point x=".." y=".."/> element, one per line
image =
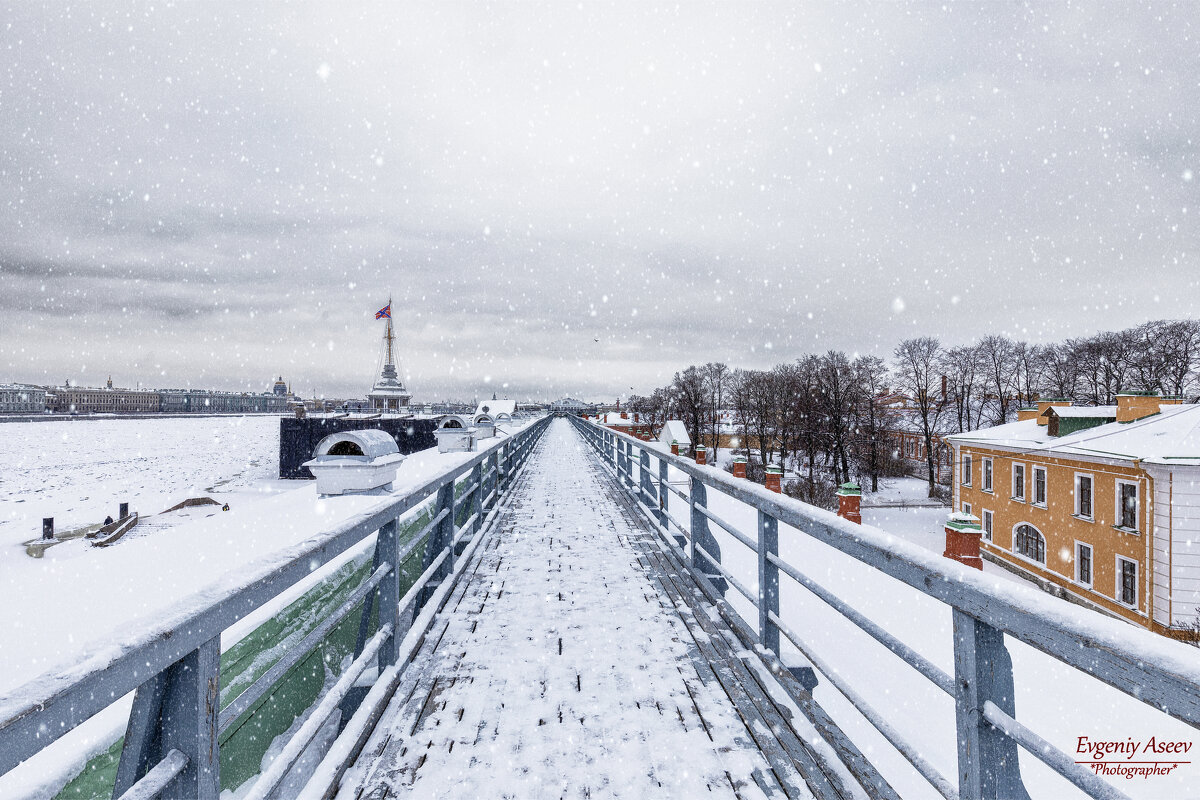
<point x="570" y="636"/>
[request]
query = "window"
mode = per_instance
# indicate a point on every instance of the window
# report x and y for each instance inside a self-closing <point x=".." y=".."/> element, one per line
<point x="1083" y="563"/>
<point x="1039" y="486"/>
<point x="1018" y="482"/>
<point x="987" y="474"/>
<point x="987" y="524"/>
<point x="1127" y="588"/>
<point x="1029" y="543"/>
<point x="1127" y="505"/>
<point x="966" y="508"/>
<point x="966" y="470"/>
<point x="1083" y="496"/>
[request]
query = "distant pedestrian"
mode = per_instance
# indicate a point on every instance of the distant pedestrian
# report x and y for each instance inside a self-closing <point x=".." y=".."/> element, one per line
<point x="108" y="520"/>
<point x="225" y="507"/>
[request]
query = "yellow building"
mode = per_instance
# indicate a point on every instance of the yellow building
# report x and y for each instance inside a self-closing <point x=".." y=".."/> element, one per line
<point x="1103" y="502"/>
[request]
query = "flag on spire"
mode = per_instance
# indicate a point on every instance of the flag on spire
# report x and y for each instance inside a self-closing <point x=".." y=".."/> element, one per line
<point x="385" y="312"/>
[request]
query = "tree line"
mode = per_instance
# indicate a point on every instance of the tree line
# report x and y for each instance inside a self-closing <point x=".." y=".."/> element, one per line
<point x="827" y="417"/>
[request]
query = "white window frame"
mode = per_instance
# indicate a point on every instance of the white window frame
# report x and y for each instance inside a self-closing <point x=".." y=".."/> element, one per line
<point x="1024" y="482"/>
<point x="1137" y="583"/>
<point x="989" y="476"/>
<point x="1045" y="486"/>
<point x="1045" y="546"/>
<point x="1075" y="491"/>
<point x="1091" y="564"/>
<point x="1137" y="508"/>
<point x="986" y="521"/>
<point x="966" y="508"/>
<point x="967" y="469"/>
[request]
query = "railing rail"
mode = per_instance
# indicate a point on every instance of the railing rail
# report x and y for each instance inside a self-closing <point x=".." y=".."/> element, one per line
<point x="171" y="743"/>
<point x="1133" y="661"/>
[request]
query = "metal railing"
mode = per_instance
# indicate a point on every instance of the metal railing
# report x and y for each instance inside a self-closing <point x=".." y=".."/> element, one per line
<point x="171" y="743"/>
<point x="982" y="686"/>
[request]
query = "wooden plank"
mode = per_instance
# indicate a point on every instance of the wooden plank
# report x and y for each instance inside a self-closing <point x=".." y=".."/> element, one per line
<point x="743" y="638"/>
<point x="786" y="751"/>
<point x="850" y="756"/>
<point x="794" y="767"/>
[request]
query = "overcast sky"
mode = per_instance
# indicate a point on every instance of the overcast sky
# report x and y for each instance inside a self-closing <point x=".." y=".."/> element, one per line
<point x="580" y="199"/>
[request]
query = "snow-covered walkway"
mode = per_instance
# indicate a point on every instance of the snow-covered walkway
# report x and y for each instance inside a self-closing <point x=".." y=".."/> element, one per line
<point x="562" y="668"/>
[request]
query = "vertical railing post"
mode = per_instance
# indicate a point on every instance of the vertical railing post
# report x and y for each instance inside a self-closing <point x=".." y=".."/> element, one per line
<point x="387" y="548"/>
<point x="494" y="460"/>
<point x="768" y="581"/>
<point x="177" y="710"/>
<point x="629" y="465"/>
<point x="506" y="463"/>
<point x="702" y="537"/>
<point x="477" y="498"/>
<point x="440" y="538"/>
<point x="664" y="493"/>
<point x="644" y="478"/>
<point x="987" y="759"/>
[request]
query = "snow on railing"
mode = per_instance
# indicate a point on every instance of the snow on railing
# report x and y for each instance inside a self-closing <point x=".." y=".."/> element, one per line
<point x="171" y="743"/>
<point x="1160" y="673"/>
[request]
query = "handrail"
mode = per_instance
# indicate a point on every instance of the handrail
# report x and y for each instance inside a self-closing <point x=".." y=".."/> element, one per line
<point x="1136" y="662"/>
<point x="175" y="659"/>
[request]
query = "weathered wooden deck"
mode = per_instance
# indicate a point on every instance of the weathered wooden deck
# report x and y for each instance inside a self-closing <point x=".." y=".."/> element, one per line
<point x="577" y="658"/>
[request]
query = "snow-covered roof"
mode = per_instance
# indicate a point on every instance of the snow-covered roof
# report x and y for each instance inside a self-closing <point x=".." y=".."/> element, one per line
<point x="494" y="407"/>
<point x="675" y="431"/>
<point x="1082" y="412"/>
<point x="1170" y="437"/>
<point x="370" y="443"/>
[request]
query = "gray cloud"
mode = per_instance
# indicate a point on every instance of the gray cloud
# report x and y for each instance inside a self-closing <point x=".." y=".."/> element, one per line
<point x="218" y="194"/>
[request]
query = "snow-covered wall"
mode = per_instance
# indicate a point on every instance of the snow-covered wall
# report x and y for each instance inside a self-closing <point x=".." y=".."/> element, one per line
<point x="1176" y="546"/>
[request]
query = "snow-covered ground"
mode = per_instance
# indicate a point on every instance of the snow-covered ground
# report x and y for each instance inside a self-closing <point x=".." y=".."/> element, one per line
<point x="1058" y="702"/>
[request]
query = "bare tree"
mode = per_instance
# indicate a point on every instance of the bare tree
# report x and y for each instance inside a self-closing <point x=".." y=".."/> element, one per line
<point x="691" y="401"/>
<point x="871" y="378"/>
<point x="917" y="362"/>
<point x="653" y="410"/>
<point x="998" y="355"/>
<point x="835" y="380"/>
<point x="716" y="376"/>
<point x="1027" y="376"/>
<point x="1060" y="370"/>
<point x="811" y="424"/>
<point x="962" y="366"/>
<point x="1183" y="362"/>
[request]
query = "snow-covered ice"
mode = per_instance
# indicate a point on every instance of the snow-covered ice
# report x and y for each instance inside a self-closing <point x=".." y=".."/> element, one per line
<point x="72" y="608"/>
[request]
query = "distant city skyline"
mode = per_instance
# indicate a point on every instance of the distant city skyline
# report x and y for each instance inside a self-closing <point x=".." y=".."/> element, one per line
<point x="575" y="200"/>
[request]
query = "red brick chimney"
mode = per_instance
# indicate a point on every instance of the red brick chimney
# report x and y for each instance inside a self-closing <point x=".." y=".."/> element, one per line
<point x="701" y="454"/>
<point x="850" y="502"/>
<point x="739" y="466"/>
<point x="774" y="477"/>
<point x="674" y="447"/>
<point x="963" y="535"/>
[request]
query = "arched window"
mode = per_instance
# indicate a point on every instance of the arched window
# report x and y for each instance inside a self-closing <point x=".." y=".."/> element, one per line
<point x="1029" y="543"/>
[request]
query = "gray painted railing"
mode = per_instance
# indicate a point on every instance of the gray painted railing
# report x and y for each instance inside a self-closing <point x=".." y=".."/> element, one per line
<point x="982" y="686"/>
<point x="171" y="748"/>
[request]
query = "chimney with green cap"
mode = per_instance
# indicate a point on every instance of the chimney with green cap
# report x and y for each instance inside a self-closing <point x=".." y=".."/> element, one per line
<point x="850" y="501"/>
